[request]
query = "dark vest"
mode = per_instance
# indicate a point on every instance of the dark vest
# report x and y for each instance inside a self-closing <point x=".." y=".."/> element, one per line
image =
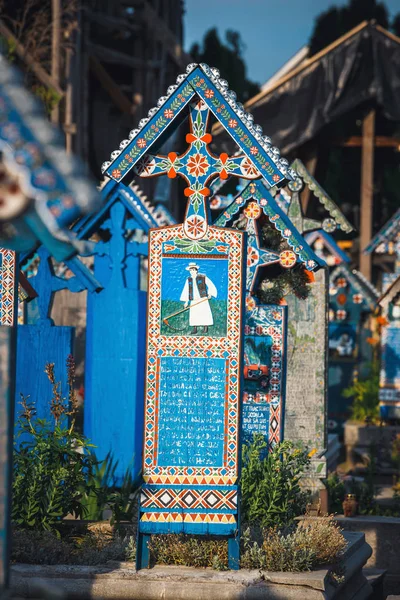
<point x="201" y="286"/>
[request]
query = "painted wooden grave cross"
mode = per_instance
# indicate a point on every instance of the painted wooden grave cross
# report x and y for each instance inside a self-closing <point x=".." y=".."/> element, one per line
<point x="115" y="331"/>
<point x="387" y="242"/>
<point x="195" y="304"/>
<point x="40" y="341"/>
<point x="265" y="325"/>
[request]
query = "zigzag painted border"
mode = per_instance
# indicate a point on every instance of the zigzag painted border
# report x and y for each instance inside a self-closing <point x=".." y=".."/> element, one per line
<point x="169" y="498"/>
<point x="7" y="280"/>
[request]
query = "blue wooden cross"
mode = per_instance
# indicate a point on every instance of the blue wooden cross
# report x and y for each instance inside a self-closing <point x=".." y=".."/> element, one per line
<point x="115" y="330"/>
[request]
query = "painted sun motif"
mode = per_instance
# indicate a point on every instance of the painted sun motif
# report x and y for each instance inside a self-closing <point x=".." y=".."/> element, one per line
<point x="197" y="165"/>
<point x="195" y="227"/>
<point x="287" y="259"/>
<point x="252" y="210"/>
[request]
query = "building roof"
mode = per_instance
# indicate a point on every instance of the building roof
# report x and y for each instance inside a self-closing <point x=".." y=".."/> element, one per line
<point x="361" y="65"/>
<point x="295" y="61"/>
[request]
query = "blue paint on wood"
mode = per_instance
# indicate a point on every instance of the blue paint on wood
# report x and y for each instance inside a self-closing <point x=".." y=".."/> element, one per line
<point x="114" y="375"/>
<point x="191" y="414"/>
<point x="115" y="331"/>
<point x="38" y="345"/>
<point x="7" y="379"/>
<point x="40" y="342"/>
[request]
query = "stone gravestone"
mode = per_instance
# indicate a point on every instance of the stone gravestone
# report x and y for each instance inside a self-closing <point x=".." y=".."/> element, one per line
<point x="307" y="382"/>
<point x="265" y="339"/>
<point x="195" y="303"/>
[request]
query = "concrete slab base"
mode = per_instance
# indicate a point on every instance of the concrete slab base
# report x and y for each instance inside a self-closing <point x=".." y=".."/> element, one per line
<point x="122" y="581"/>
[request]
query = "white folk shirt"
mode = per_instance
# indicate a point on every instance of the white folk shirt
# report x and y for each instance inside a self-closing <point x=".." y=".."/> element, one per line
<point x="200" y="314"/>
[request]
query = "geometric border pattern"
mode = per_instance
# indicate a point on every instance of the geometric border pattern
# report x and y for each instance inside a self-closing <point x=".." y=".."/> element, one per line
<point x="7" y="278"/>
<point x="276" y="392"/>
<point x="205" y="346"/>
<point x="180" y="517"/>
<point x="192" y="498"/>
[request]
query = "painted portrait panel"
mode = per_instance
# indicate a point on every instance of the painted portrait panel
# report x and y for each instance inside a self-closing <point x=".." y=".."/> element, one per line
<point x="194" y="296"/>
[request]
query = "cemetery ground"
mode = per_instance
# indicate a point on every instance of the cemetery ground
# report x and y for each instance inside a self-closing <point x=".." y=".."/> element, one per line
<point x="75" y="522"/>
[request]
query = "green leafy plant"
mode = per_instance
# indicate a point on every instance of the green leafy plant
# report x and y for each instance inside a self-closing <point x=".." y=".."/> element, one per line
<point x="96" y="490"/>
<point x="336" y="492"/>
<point x="50" y="465"/>
<point x="123" y="501"/>
<point x="365" y="394"/>
<point x="102" y="491"/>
<point x="271" y="492"/>
<point x="48" y="96"/>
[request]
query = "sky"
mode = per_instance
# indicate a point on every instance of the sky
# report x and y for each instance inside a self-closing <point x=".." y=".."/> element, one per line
<point x="272" y="30"/>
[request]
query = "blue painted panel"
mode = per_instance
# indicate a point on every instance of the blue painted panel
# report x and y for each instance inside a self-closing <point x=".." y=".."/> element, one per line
<point x="38" y="345"/>
<point x="391" y="356"/>
<point x="114" y="375"/>
<point x="255" y="420"/>
<point x="191" y="411"/>
<point x="7" y="352"/>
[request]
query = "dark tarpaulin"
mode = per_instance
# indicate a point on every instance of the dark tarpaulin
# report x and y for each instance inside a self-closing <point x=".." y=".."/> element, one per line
<point x="363" y="67"/>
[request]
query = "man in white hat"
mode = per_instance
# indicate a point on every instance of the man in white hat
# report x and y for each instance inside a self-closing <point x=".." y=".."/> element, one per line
<point x="197" y="292"/>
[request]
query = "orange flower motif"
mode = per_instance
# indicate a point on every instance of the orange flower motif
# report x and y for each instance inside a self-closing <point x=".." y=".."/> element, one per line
<point x="197" y="165"/>
<point x="372" y="341"/>
<point x="168" y="113"/>
<point x="382" y="321"/>
<point x="116" y="174"/>
<point x="141" y="143"/>
<point x="209" y="93"/>
<point x="252" y="210"/>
